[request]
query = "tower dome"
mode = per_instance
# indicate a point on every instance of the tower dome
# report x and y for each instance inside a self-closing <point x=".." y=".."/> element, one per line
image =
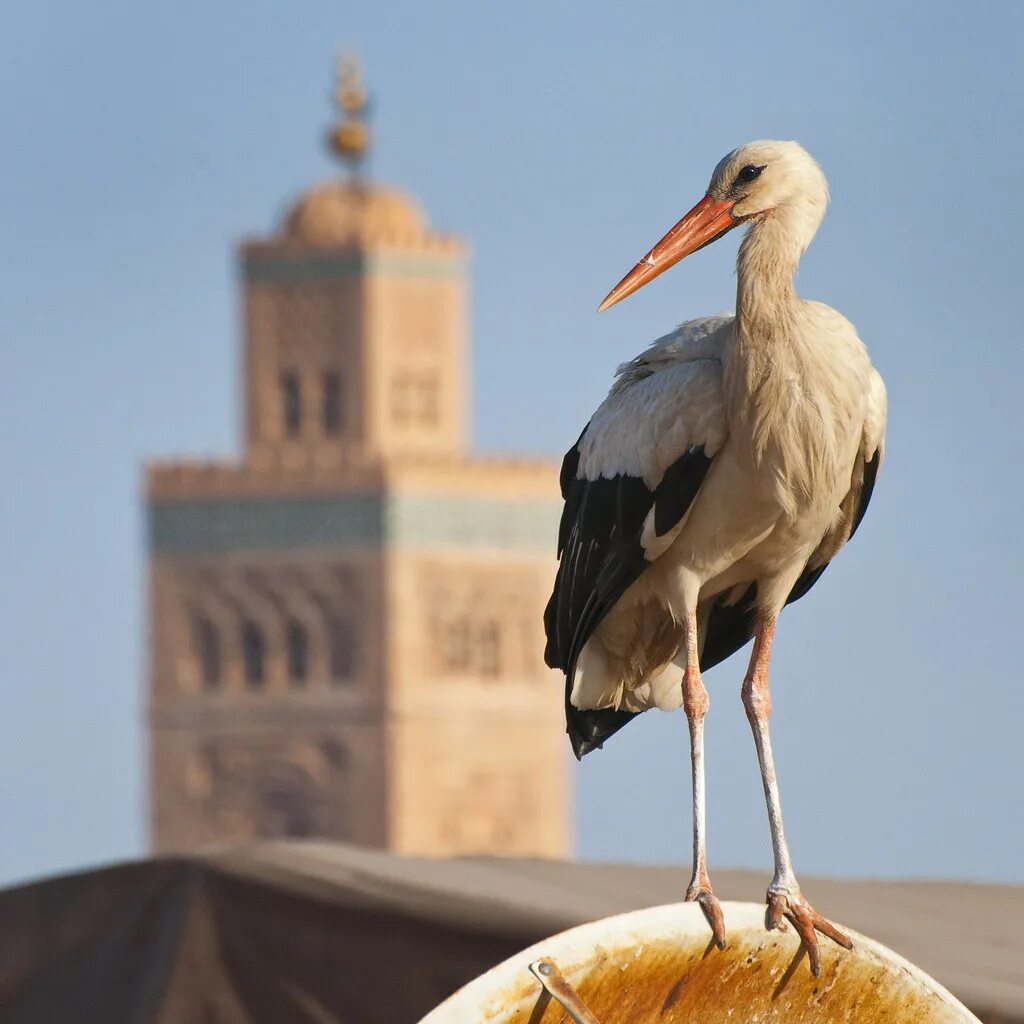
<point x="351" y="212"/>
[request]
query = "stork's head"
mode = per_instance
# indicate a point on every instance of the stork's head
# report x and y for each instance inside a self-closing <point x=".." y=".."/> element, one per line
<point x="758" y="181"/>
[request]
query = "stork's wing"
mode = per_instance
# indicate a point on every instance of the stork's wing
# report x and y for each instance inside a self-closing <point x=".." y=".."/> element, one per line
<point x="628" y="483"/>
<point x="862" y="484"/>
<point x="730" y="622"/>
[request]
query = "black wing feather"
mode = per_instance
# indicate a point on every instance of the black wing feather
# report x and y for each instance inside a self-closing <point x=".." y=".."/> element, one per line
<point x="601" y="556"/>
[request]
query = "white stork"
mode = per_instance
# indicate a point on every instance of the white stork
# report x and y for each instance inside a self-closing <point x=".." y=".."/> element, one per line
<point x="728" y="465"/>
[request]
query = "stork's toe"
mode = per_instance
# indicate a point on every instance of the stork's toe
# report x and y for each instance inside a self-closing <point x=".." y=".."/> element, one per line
<point x="703" y="895"/>
<point x="790" y="904"/>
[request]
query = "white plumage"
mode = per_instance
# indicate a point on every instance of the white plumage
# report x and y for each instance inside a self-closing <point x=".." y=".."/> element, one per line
<point x="750" y="525"/>
<point x="728" y="465"/>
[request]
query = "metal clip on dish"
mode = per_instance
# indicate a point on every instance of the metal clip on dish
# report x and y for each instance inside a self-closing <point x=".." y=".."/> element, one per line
<point x="553" y="982"/>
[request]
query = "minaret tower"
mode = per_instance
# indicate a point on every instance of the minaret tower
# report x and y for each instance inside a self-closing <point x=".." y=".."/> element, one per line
<point x="345" y="627"/>
<point x="355" y="317"/>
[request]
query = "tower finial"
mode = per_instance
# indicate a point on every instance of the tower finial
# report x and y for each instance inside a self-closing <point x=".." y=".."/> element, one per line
<point x="350" y="137"/>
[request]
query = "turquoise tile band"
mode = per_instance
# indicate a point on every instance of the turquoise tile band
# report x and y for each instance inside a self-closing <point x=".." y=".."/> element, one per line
<point x="351" y="521"/>
<point x="280" y="269"/>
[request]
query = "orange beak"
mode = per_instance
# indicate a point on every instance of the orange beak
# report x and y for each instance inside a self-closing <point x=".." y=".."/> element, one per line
<point x="706" y="222"/>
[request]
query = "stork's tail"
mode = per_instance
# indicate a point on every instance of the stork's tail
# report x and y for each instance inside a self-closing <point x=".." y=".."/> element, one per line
<point x="589" y="729"/>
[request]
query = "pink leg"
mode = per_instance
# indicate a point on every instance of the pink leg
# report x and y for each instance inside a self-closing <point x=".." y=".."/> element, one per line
<point x="695" y="704"/>
<point x="784" y="897"/>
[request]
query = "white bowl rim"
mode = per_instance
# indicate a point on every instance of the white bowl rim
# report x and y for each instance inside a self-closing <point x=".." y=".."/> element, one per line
<point x="632" y="930"/>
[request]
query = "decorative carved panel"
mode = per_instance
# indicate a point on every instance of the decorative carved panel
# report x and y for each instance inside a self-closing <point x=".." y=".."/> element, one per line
<point x="222" y="618"/>
<point x="270" y="787"/>
<point x="482" y="622"/>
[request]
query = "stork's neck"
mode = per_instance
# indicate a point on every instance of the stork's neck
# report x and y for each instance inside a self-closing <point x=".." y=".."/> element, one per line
<point x="770" y="348"/>
<point x="768" y="258"/>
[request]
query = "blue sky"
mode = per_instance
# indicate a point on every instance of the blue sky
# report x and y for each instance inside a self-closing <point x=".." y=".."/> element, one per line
<point x="141" y="141"/>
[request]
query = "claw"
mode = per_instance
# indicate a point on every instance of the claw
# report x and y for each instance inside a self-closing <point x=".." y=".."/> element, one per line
<point x="712" y="911"/>
<point x="806" y="921"/>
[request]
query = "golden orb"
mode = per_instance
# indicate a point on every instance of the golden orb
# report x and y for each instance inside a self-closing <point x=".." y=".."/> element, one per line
<point x="349" y="139"/>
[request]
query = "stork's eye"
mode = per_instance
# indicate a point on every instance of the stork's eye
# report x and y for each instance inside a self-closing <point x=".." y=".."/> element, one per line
<point x="750" y="172"/>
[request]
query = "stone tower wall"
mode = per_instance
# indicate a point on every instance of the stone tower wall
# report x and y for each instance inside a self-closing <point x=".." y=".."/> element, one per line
<point x="345" y="623"/>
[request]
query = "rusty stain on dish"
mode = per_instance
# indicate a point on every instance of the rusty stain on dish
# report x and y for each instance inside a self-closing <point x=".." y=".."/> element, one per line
<point x="715" y="989"/>
<point x="759" y="977"/>
<point x="673" y="995"/>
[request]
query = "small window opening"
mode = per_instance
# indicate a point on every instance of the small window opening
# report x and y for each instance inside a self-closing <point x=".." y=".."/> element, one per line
<point x="297" y="644"/>
<point x="333" y="408"/>
<point x="207" y="643"/>
<point x="291" y="402"/>
<point x="253" y="655"/>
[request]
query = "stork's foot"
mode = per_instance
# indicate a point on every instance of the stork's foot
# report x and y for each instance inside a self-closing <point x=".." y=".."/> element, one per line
<point x="790" y="904"/>
<point x="700" y="892"/>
